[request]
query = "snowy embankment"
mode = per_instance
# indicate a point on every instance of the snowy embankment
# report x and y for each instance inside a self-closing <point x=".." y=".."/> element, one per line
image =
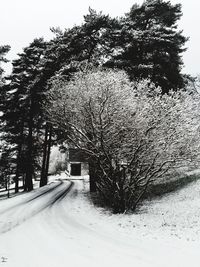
<point x="57" y="226"/>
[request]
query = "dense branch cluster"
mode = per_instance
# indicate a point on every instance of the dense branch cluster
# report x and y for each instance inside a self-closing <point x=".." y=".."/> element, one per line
<point x="130" y="132"/>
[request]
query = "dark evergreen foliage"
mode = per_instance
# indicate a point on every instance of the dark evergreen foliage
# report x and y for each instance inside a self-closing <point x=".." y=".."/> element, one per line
<point x="149" y="44"/>
<point x="22" y="114"/>
<point x="3" y="51"/>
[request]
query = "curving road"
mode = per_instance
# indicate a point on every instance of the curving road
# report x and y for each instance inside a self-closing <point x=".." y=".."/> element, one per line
<point x="55" y="226"/>
<point x="18" y="210"/>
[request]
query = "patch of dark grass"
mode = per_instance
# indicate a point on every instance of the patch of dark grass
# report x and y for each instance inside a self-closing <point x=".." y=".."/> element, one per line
<point x="171" y="185"/>
<point x="156" y="190"/>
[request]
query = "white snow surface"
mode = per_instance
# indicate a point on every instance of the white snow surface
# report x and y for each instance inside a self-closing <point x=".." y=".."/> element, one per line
<point x="58" y="226"/>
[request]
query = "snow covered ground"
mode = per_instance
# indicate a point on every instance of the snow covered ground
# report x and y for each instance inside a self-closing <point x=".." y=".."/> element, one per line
<point x="57" y="226"/>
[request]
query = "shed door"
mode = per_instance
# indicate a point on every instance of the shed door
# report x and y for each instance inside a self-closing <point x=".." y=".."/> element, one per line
<point x="76" y="169"/>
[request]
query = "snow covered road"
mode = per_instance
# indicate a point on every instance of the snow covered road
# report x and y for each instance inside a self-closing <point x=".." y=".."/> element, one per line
<point x="56" y="226"/>
<point x="23" y="208"/>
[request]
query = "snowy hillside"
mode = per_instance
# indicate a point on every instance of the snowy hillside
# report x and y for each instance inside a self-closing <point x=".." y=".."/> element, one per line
<point x="57" y="226"/>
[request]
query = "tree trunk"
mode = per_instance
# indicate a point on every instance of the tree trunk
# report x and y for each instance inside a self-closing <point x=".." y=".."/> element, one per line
<point x="19" y="159"/>
<point x="48" y="153"/>
<point x="17" y="170"/>
<point x="44" y="160"/>
<point x="29" y="155"/>
<point x="92" y="175"/>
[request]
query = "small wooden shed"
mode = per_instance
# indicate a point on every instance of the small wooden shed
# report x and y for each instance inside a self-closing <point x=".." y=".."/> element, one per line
<point x="77" y="163"/>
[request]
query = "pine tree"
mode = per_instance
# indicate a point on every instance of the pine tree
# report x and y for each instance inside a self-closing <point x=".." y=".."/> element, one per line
<point x="150" y="45"/>
<point x="80" y="46"/>
<point x="22" y="110"/>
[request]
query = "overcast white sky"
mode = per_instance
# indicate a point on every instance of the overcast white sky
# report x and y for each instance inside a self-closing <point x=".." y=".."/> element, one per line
<point x="23" y="20"/>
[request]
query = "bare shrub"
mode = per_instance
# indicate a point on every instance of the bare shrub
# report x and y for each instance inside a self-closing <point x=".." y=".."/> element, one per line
<point x="130" y="132"/>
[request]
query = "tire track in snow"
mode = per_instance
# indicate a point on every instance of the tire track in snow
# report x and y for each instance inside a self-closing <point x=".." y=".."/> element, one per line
<point x="35" y="194"/>
<point x="21" y="212"/>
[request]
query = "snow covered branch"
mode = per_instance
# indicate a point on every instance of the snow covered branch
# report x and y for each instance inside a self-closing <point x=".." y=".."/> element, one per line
<point x="132" y="133"/>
